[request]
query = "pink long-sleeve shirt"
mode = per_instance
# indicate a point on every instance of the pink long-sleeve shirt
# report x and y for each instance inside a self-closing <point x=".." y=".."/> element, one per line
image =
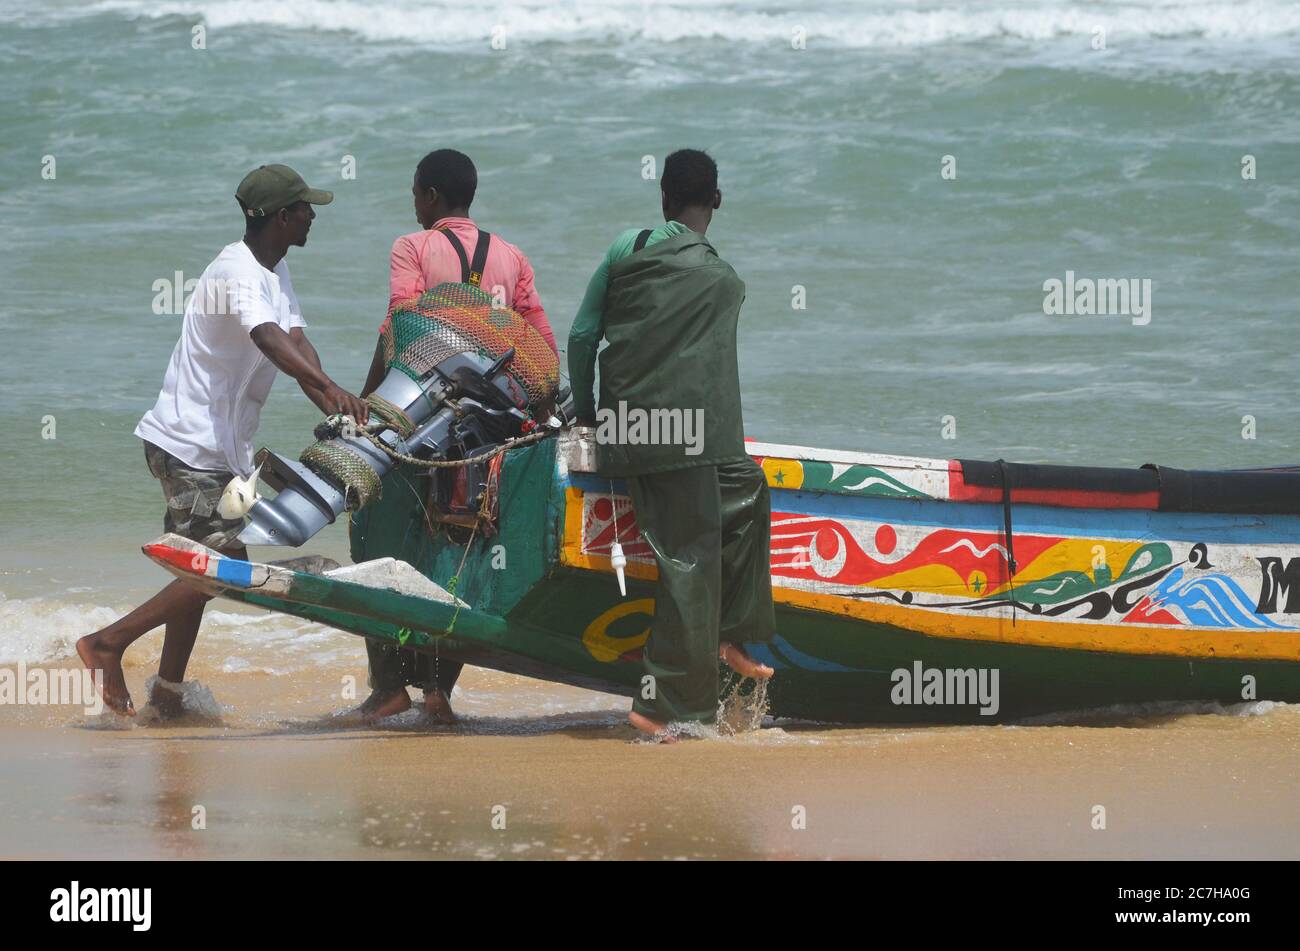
<point x="425" y="259"/>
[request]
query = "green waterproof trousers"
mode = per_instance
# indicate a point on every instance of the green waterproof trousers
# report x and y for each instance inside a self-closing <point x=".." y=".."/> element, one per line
<point x="392" y="668"/>
<point x="709" y="528"/>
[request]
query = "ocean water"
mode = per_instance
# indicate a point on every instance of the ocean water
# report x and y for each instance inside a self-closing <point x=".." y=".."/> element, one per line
<point x="924" y="295"/>
<point x="923" y="320"/>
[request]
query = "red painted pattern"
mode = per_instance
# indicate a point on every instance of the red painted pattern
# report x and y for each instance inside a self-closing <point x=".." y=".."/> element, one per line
<point x="1147" y="611"/>
<point x="826" y="541"/>
<point x="598" y="532"/>
<point x="959" y="491"/>
<point x="197" y="563"/>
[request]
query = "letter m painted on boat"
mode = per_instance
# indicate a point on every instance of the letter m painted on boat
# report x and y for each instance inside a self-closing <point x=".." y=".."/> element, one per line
<point x="1279" y="582"/>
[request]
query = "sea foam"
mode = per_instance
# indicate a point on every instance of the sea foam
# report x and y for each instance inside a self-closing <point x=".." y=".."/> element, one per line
<point x="831" y="24"/>
<point x="45" y="631"/>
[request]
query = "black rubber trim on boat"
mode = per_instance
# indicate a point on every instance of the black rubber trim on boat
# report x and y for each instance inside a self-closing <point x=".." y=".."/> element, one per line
<point x="1073" y="478"/>
<point x="1233" y="491"/>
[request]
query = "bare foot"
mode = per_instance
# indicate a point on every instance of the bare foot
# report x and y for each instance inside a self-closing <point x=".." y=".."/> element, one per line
<point x="377" y="706"/>
<point x="169" y="703"/>
<point x="652" y="728"/>
<point x="109" y="663"/>
<point x="438" y="707"/>
<point x="735" y="657"/>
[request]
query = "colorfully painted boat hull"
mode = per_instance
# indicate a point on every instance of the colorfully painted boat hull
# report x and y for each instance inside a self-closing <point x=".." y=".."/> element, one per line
<point x="896" y="600"/>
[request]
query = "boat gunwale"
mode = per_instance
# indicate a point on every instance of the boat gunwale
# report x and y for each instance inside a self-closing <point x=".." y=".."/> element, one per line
<point x="948" y="480"/>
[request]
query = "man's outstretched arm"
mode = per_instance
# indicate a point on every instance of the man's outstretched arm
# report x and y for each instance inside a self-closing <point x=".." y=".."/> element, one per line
<point x="528" y="305"/>
<point x="584" y="339"/>
<point x="283" y="351"/>
<point x="588" y="329"/>
<point x="311" y="356"/>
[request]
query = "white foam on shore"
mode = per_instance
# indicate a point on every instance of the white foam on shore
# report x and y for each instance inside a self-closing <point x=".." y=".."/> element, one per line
<point x="45" y="630"/>
<point x="883" y="23"/>
<point x="1158" y="709"/>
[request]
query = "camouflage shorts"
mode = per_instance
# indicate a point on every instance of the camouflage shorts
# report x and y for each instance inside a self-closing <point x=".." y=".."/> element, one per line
<point x="192" y="496"/>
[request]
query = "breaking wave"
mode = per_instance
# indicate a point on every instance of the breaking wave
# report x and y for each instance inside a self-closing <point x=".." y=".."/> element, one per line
<point x="831" y="24"/>
<point x="45" y="630"/>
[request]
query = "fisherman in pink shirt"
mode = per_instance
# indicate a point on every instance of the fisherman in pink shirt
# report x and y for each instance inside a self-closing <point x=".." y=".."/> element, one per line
<point x="450" y="248"/>
<point x="444" y="186"/>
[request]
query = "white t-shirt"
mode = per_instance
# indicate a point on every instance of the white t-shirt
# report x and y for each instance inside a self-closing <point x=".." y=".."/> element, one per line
<point x="218" y="379"/>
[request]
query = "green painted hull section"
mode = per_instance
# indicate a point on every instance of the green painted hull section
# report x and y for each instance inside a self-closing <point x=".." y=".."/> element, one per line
<point x="522" y="552"/>
<point x="535" y="641"/>
<point x="1032" y="680"/>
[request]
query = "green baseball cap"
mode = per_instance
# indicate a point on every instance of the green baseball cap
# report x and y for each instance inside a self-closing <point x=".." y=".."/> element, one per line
<point x="268" y="188"/>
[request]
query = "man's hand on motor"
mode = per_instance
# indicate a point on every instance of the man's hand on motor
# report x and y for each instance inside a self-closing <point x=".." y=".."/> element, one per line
<point x="335" y="399"/>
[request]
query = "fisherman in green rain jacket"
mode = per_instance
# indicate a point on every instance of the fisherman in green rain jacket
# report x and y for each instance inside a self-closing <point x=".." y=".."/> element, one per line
<point x="670" y="424"/>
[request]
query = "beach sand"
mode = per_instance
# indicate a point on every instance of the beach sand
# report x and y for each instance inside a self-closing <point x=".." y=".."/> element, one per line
<point x="562" y="772"/>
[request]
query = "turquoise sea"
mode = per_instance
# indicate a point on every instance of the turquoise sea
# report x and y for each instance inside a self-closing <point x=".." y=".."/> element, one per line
<point x="830" y="122"/>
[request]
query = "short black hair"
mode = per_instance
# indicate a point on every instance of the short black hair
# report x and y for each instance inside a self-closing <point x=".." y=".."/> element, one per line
<point x="690" y="178"/>
<point x="253" y="223"/>
<point x="451" y="173"/>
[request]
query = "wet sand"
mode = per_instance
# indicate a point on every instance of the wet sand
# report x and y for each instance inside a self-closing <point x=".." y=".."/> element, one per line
<point x="274" y="783"/>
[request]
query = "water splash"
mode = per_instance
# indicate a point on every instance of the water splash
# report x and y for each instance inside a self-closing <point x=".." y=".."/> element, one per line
<point x="198" y="705"/>
<point x="742" y="705"/>
<point x="678" y="730"/>
<point x="741" y="710"/>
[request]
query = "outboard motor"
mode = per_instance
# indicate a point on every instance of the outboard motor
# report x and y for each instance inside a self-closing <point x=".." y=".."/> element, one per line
<point x="463" y="376"/>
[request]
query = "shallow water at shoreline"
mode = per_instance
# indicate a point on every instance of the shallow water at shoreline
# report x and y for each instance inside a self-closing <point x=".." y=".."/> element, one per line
<point x="277" y="780"/>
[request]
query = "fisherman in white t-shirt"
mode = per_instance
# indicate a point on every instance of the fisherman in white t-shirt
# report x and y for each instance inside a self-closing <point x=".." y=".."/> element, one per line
<point x="242" y="324"/>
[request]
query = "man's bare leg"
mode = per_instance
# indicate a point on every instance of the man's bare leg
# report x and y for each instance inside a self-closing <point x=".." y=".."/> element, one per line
<point x="103" y="649"/>
<point x="735" y="657"/>
<point x="379" y="705"/>
<point x="656" y="729"/>
<point x="178" y="644"/>
<point x="180" y="608"/>
<point x="437" y="706"/>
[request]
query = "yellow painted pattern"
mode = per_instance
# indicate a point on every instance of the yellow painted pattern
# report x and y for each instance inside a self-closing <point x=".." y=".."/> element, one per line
<point x="1071" y="554"/>
<point x="606" y="649"/>
<point x="783" y="473"/>
<point x="1078" y="554"/>
<point x="931" y="579"/>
